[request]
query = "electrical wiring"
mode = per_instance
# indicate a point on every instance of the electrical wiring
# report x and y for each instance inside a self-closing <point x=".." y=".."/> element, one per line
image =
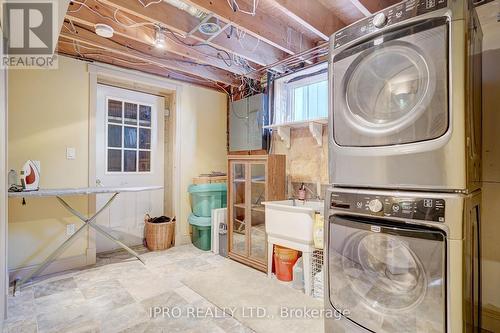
<point x="236" y="8"/>
<point x="149" y="3"/>
<point x="134" y="25"/>
<point x="240" y="35"/>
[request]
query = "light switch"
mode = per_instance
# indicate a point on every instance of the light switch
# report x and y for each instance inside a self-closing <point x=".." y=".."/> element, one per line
<point x="70" y="153"/>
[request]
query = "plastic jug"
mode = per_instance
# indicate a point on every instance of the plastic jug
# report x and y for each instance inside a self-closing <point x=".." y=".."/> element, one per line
<point x="318" y="231"/>
<point x="298" y="275"/>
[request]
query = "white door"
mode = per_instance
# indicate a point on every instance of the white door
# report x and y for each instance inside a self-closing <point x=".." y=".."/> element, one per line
<point x="129" y="152"/>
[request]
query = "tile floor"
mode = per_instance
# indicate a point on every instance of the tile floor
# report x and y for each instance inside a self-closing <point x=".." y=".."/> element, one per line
<point x="118" y="295"/>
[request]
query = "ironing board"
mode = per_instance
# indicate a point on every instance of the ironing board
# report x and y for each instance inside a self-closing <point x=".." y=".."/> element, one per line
<point x="87" y="221"/>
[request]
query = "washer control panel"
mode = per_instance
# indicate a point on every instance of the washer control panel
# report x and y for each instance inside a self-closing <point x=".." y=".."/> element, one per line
<point x="425" y="209"/>
<point x="394" y="14"/>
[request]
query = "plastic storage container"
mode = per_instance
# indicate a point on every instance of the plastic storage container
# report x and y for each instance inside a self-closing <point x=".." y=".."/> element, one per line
<point x="284" y="259"/>
<point x="202" y="232"/>
<point x="205" y="197"/>
<point x="298" y="275"/>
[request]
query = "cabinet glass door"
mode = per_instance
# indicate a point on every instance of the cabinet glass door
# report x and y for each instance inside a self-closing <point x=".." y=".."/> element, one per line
<point x="239" y="213"/>
<point x="257" y="229"/>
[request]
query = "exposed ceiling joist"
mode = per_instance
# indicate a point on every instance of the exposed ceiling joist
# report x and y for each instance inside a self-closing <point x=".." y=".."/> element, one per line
<point x="181" y="22"/>
<point x="361" y="7"/>
<point x="145" y="35"/>
<point x="312" y="15"/>
<point x="262" y="25"/>
<point x="374" y="6"/>
<point x="67" y="49"/>
<point x="143" y="53"/>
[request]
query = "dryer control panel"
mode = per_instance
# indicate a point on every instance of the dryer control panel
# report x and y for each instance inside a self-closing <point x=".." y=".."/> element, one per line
<point x="424" y="209"/>
<point x="391" y="15"/>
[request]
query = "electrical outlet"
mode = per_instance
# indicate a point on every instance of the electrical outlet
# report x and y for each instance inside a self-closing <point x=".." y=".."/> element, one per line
<point x="70" y="229"/>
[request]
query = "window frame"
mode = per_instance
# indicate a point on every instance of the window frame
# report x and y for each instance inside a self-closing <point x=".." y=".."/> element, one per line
<point x="283" y="87"/>
<point x="152" y="129"/>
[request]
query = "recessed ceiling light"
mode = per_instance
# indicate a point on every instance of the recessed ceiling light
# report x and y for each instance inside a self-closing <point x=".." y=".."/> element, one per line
<point x="209" y="28"/>
<point x="104" y="30"/>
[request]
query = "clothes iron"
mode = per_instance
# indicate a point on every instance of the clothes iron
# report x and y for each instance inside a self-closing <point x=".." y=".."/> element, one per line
<point x="30" y="175"/>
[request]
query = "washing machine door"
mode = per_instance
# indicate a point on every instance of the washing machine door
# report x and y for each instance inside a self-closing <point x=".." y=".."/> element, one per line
<point x="392" y="89"/>
<point x="387" y="279"/>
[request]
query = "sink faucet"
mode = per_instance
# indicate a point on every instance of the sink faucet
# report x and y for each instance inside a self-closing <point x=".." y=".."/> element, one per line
<point x="314" y="194"/>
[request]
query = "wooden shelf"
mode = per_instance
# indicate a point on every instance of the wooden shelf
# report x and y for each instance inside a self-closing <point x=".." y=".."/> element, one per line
<point x="315" y="127"/>
<point x="265" y="183"/>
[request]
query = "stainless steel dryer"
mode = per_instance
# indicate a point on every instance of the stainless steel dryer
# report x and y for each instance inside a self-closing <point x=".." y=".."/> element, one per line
<point x="402" y="262"/>
<point x="405" y="98"/>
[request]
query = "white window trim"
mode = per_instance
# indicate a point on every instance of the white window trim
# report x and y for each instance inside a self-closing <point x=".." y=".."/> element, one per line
<point x="283" y="90"/>
<point x="152" y="128"/>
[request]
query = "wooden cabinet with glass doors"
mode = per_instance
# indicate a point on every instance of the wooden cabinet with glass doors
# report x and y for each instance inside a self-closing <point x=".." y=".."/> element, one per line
<point x="253" y="179"/>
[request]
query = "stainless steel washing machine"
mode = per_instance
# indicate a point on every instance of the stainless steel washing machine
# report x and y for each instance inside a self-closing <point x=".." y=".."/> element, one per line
<point x="402" y="262"/>
<point x="405" y="98"/>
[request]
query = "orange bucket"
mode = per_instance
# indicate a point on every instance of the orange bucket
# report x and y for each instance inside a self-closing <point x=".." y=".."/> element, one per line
<point x="284" y="259"/>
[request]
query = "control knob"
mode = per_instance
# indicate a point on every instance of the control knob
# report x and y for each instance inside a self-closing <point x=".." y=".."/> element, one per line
<point x="375" y="205"/>
<point x="379" y="20"/>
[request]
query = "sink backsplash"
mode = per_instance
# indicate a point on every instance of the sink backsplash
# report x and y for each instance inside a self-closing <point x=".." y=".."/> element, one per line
<point x="312" y="190"/>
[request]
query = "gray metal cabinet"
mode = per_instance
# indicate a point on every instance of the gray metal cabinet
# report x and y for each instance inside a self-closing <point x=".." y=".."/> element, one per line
<point x="246" y="120"/>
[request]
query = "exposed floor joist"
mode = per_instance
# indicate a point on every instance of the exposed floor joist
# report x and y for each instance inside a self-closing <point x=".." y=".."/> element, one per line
<point x="312" y="15"/>
<point x="145" y="35"/>
<point x="66" y="48"/>
<point x="142" y="53"/>
<point x="262" y="26"/>
<point x="180" y="22"/>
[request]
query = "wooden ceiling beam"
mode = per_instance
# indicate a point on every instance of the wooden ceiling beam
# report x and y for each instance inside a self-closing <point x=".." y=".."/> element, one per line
<point x="376" y="5"/>
<point x="181" y="22"/>
<point x="262" y="25"/>
<point x="66" y="49"/>
<point x="141" y="53"/>
<point x="145" y="35"/>
<point x="312" y="15"/>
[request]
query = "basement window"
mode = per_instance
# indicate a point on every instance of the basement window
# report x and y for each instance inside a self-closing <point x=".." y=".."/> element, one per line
<point x="301" y="96"/>
<point x="128" y="136"/>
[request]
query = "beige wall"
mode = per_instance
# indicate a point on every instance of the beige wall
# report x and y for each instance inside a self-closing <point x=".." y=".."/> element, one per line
<point x="491" y="166"/>
<point x="203" y="115"/>
<point x="48" y="111"/>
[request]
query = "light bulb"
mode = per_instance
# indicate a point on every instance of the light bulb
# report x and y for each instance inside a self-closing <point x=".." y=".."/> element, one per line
<point x="159" y="38"/>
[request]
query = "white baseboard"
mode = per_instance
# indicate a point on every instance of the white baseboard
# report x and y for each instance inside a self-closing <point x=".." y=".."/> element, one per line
<point x="59" y="265"/>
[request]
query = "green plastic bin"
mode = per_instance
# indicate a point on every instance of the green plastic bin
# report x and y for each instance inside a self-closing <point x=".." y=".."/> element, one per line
<point x="202" y="232"/>
<point x="205" y="197"/>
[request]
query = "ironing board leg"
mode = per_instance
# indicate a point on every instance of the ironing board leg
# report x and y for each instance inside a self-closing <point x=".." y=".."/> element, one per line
<point x="98" y="228"/>
<point x="67" y="242"/>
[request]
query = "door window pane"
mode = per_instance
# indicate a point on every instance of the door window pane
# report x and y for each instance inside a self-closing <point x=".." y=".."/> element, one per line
<point x="144" y="161"/>
<point x="144" y="138"/>
<point x="114" y="136"/>
<point x="114" y="160"/>
<point x="130" y="161"/>
<point x="130" y="135"/>
<point x="114" y="111"/>
<point x="145" y="115"/>
<point x="130" y="114"/>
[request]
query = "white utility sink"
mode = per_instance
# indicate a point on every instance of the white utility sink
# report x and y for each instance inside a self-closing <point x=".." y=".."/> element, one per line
<point x="292" y="220"/>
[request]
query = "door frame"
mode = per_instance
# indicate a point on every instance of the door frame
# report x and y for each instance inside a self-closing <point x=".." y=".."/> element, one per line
<point x="4" y="281"/>
<point x="97" y="72"/>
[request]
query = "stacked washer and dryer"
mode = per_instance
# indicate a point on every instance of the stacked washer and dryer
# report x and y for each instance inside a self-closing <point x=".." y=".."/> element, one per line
<point x="402" y="233"/>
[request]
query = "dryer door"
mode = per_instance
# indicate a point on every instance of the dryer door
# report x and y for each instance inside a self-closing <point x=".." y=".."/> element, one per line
<point x="392" y="89"/>
<point x="388" y="279"/>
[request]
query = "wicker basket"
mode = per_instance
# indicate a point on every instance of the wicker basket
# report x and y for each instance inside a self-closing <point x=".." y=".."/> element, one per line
<point x="159" y="236"/>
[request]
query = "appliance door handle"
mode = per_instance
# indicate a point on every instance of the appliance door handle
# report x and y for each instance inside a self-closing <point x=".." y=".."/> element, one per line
<point x="376" y="225"/>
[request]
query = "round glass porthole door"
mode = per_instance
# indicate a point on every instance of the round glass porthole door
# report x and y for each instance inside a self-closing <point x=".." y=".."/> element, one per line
<point x="385" y="274"/>
<point x="387" y="88"/>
